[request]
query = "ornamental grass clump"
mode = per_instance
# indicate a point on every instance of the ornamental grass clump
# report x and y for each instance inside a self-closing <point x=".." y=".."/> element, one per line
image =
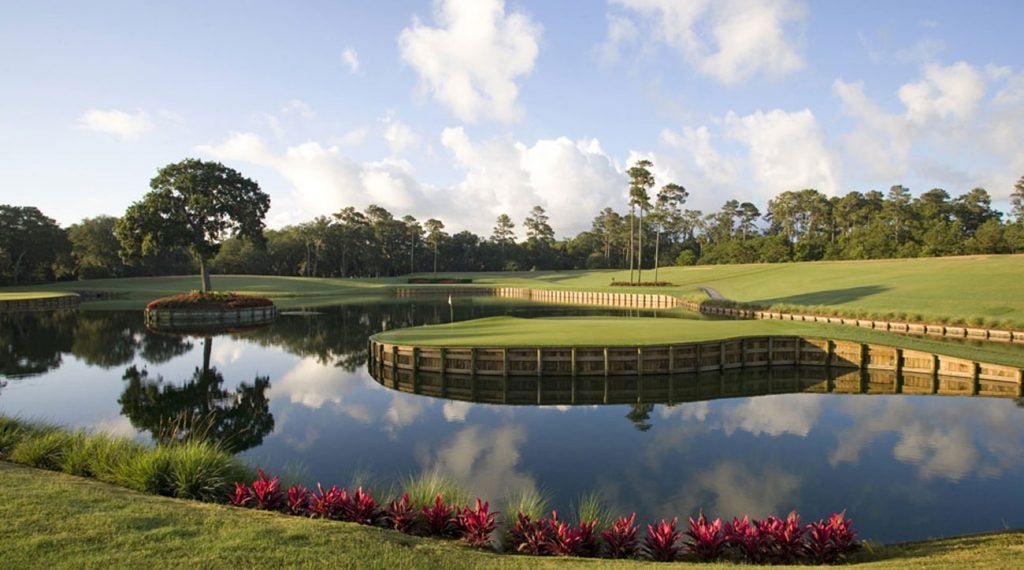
<point x="45" y="448"/>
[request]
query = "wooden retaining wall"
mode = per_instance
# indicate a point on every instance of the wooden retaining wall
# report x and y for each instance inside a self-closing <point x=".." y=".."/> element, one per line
<point x="923" y="370"/>
<point x="43" y="304"/>
<point x="640" y="300"/>
<point x="171" y="318"/>
<point x="590" y="390"/>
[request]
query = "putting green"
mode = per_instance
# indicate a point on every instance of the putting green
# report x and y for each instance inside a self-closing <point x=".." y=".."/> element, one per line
<point x="647" y="331"/>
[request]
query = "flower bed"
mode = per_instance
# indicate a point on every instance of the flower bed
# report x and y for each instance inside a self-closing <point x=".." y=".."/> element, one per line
<point x="768" y="541"/>
<point x="210" y="301"/>
<point x="438" y="281"/>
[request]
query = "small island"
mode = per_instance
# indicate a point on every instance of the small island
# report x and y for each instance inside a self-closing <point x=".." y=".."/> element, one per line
<point x="212" y="308"/>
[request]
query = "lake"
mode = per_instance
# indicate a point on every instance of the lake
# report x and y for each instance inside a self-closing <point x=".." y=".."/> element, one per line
<point x="297" y="397"/>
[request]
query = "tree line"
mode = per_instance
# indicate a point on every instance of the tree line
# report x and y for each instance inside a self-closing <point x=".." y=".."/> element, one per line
<point x="653" y="231"/>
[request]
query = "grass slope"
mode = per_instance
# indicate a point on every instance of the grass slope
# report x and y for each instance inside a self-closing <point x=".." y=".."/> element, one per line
<point x="635" y="331"/>
<point x="989" y="288"/>
<point x="26" y="295"/>
<point x="58" y="521"/>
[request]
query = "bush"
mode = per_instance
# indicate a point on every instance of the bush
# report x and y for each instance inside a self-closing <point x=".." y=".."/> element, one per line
<point x="210" y="301"/>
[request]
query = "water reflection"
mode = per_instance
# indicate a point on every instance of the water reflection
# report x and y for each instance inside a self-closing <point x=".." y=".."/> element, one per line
<point x="198" y="407"/>
<point x="297" y="395"/>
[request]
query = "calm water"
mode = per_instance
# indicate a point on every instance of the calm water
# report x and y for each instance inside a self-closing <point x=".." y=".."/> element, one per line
<point x="297" y="395"/>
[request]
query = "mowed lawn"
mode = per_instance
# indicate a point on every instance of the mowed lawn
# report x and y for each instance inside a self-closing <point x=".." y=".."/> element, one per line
<point x="647" y="331"/>
<point x="975" y="289"/>
<point x="52" y="520"/>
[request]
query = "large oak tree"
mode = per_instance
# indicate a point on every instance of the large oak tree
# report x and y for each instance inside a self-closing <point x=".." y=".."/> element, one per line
<point x="193" y="205"/>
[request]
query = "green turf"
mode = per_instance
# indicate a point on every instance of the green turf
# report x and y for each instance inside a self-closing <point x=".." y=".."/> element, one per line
<point x="976" y="289"/>
<point x="636" y="331"/>
<point x="52" y="520"/>
<point x="28" y="295"/>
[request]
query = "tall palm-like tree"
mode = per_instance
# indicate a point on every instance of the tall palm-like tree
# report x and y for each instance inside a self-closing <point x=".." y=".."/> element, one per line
<point x="640" y="180"/>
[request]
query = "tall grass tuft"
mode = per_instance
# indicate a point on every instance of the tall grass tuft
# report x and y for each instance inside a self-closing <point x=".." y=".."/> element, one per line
<point x="424" y="488"/>
<point x="530" y="502"/>
<point x="45" y="449"/>
<point x="202" y="471"/>
<point x="12" y="431"/>
<point x="592" y="507"/>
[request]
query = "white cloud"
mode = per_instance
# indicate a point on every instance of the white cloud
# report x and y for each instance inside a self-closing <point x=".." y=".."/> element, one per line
<point x="729" y="40"/>
<point x="484" y="461"/>
<point x="355" y="137"/>
<point x="455" y="411"/>
<point x="350" y="57"/>
<point x="733" y="489"/>
<point x="621" y="31"/>
<point x="300" y="108"/>
<point x="312" y="384"/>
<point x="117" y="123"/>
<point x="787" y="151"/>
<point x="696" y="142"/>
<point x="399" y="136"/>
<point x="572" y="181"/>
<point x="951" y="92"/>
<point x="792" y="414"/>
<point x="471" y="60"/>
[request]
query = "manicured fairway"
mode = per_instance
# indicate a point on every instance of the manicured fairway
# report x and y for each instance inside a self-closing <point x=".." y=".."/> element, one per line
<point x="628" y="331"/>
<point x="27" y="295"/>
<point x="53" y="520"/>
<point x="976" y="289"/>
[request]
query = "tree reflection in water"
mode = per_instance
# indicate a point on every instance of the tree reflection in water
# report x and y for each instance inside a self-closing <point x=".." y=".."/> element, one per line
<point x="198" y="408"/>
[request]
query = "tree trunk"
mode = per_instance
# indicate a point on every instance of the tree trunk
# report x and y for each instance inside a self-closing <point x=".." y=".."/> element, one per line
<point x="207" y="351"/>
<point x="657" y="245"/>
<point x="435" y="259"/>
<point x="204" y="274"/>
<point x="631" y="216"/>
<point x="640" y="248"/>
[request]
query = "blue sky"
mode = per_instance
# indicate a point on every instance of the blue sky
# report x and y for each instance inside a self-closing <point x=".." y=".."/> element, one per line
<point x="466" y="109"/>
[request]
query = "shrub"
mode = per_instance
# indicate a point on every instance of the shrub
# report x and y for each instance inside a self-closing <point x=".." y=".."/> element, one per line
<point x="45" y="449"/>
<point x="707" y="540"/>
<point x="200" y="470"/>
<point x="530" y="502"/>
<point x="425" y="487"/>
<point x="747" y="538"/>
<point x="326" y="504"/>
<point x="298" y="500"/>
<point x="784" y="539"/>
<point x="360" y="507"/>
<point x="528" y="536"/>
<point x="402" y="515"/>
<point x="662" y="541"/>
<point x="440" y="519"/>
<point x="476" y="525"/>
<point x="621" y="538"/>
<point x="242" y="496"/>
<point x="567" y="540"/>
<point x="266" y="492"/>
<point x="11" y="432"/>
<point x="212" y="300"/>
<point x="831" y="541"/>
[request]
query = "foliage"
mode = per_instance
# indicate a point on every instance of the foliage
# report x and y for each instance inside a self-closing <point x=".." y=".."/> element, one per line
<point x="33" y="247"/>
<point x="621" y="538"/>
<point x="707" y="539"/>
<point x="661" y="543"/>
<point x="193" y="205"/>
<point x="438" y="281"/>
<point x="528" y="536"/>
<point x="477" y="524"/>
<point x="266" y="492"/>
<point x="440" y="519"/>
<point x="833" y="540"/>
<point x="402" y="514"/>
<point x="211" y="300"/>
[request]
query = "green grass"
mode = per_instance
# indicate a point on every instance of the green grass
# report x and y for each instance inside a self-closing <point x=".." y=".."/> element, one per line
<point x="31" y="295"/>
<point x="636" y="331"/>
<point x="53" y="520"/>
<point x="975" y="289"/>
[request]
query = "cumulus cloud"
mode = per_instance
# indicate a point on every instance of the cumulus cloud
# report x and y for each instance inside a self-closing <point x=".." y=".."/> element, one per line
<point x="312" y="385"/>
<point x="729" y="40"/>
<point x="470" y="61"/>
<point x="787" y="150"/>
<point x="118" y="123"/>
<point x="947" y="109"/>
<point x="399" y="136"/>
<point x="791" y="414"/>
<point x="485" y="461"/>
<point x="350" y="57"/>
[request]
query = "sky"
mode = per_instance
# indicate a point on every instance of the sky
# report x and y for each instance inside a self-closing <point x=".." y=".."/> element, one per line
<point x="466" y="109"/>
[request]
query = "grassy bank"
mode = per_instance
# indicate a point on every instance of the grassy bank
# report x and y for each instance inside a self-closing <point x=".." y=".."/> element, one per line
<point x="55" y="520"/>
<point x="973" y="289"/>
<point x="618" y="331"/>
